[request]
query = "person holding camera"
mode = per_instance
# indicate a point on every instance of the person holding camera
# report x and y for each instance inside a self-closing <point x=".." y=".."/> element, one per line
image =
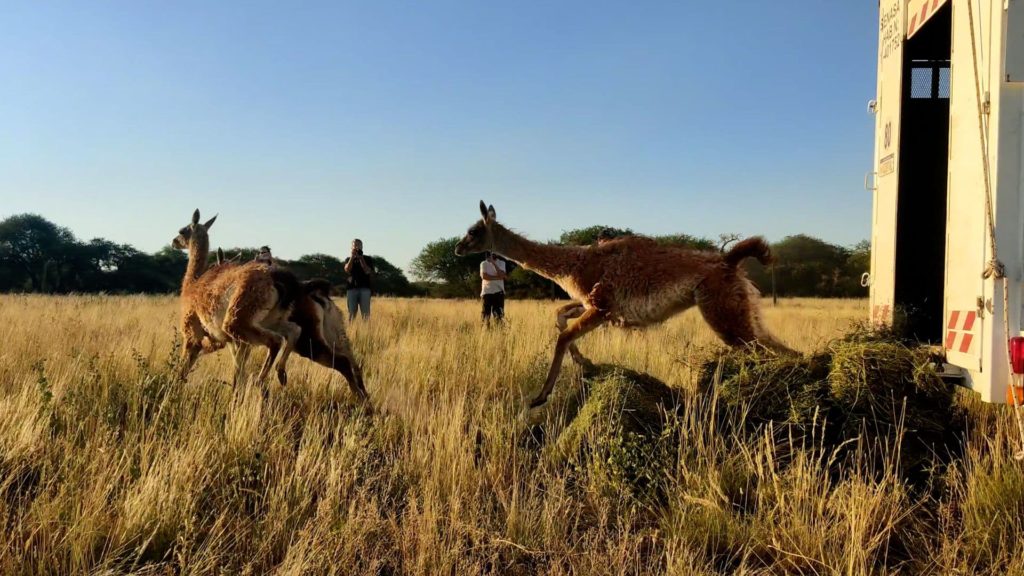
<point x="492" y="288"/>
<point x="264" y="256"/>
<point x="360" y="278"/>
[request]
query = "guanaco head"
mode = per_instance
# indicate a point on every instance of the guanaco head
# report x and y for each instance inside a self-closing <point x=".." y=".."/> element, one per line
<point x="478" y="237"/>
<point x="193" y="230"/>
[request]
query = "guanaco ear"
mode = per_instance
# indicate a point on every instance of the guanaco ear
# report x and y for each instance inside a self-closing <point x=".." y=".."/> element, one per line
<point x="483" y="209"/>
<point x="210" y="222"/>
<point x="491" y="216"/>
<point x="195" y="216"/>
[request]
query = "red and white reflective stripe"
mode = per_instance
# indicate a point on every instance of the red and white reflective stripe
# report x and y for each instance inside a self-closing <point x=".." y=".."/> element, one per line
<point x="919" y="12"/>
<point x="960" y="327"/>
<point x="880" y="314"/>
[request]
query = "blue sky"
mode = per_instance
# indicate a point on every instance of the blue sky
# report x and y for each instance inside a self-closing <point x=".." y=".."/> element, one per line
<point x="304" y="127"/>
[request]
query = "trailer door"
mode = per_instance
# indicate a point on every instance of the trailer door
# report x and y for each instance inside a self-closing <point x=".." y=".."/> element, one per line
<point x="923" y="167"/>
<point x="887" y="143"/>
<point x="967" y="236"/>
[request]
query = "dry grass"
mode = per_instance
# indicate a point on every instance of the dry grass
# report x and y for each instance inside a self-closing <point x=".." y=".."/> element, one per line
<point x="109" y="466"/>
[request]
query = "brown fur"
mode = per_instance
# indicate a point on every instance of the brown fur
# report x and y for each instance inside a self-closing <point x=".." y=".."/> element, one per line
<point x="633" y="282"/>
<point x="323" y="339"/>
<point x="252" y="304"/>
<point x="754" y="247"/>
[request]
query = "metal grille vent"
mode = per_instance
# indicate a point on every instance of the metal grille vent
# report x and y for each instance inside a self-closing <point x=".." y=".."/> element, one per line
<point x="929" y="80"/>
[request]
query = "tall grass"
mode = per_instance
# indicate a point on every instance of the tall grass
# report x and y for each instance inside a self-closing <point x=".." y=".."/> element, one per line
<point x="108" y="465"/>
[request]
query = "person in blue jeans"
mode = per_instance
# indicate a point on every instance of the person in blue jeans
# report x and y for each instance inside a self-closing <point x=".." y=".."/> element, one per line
<point x="360" y="280"/>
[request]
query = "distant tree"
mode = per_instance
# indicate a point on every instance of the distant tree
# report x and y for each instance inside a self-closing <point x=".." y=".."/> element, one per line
<point x="106" y="256"/>
<point x="804" y="248"/>
<point x="437" y="262"/>
<point x="391" y="281"/>
<point x="522" y="283"/>
<point x="38" y="255"/>
<point x="857" y="263"/>
<point x="96" y="262"/>
<point x="859" y="260"/>
<point x="12" y="277"/>
<point x="588" y="235"/>
<point x="169" y="266"/>
<point x="686" y="241"/>
<point x="728" y="238"/>
<point x="37" y="250"/>
<point x="321" y="266"/>
<point x="808" y="266"/>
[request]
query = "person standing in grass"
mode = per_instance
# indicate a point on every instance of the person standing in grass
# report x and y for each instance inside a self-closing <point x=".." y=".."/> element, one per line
<point x="492" y="288"/>
<point x="360" y="279"/>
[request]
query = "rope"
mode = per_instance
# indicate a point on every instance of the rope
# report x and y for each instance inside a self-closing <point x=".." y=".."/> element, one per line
<point x="994" y="268"/>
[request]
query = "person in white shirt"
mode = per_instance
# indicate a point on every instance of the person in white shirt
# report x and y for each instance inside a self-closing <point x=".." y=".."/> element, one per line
<point x="492" y="289"/>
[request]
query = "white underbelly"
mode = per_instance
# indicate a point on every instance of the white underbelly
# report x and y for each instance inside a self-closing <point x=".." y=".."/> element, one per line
<point x="213" y="323"/>
<point x="572" y="289"/>
<point x="653" y="307"/>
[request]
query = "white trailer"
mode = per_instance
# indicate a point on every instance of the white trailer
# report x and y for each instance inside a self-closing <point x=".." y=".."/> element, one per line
<point x="949" y="151"/>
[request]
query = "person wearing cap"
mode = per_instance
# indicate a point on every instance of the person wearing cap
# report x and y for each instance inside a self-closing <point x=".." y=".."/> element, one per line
<point x="492" y="288"/>
<point x="264" y="256"/>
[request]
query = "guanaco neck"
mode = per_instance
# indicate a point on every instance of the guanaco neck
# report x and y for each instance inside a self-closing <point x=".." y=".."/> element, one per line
<point x="198" y="252"/>
<point x="550" y="261"/>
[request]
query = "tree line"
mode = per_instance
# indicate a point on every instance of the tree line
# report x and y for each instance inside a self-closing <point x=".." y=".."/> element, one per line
<point x="37" y="255"/>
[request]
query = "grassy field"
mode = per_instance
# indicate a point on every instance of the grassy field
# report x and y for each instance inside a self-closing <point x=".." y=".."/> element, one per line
<point x="107" y="465"/>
